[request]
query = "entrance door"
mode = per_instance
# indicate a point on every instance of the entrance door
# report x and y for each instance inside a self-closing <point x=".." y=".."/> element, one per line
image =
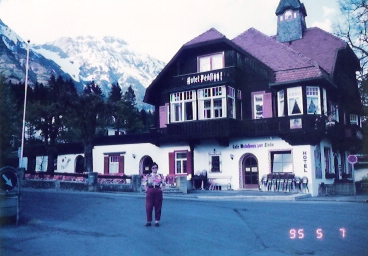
<point x="250" y="171"/>
<point x="79" y="164"/>
<point x="146" y="165"/>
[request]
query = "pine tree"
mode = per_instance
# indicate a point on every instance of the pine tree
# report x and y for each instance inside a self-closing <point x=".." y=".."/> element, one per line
<point x="10" y="125"/>
<point x="46" y="112"/>
<point x="86" y="117"/>
<point x="132" y="121"/>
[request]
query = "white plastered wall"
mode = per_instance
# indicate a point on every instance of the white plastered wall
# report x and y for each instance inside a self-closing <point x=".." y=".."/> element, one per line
<point x="66" y="163"/>
<point x="133" y="153"/>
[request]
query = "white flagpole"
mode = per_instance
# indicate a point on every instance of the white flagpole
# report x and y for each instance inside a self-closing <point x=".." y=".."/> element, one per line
<point x="24" y="108"/>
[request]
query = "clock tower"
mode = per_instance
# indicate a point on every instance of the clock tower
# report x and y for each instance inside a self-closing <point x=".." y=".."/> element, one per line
<point x="290" y="20"/>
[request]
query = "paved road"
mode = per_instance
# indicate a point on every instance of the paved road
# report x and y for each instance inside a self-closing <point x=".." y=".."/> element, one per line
<point x="69" y="223"/>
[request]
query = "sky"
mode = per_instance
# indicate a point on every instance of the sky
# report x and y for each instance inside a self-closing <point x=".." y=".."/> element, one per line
<point x="156" y="27"/>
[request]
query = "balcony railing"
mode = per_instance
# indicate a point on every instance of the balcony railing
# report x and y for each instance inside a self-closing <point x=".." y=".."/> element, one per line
<point x="225" y="75"/>
<point x="309" y="130"/>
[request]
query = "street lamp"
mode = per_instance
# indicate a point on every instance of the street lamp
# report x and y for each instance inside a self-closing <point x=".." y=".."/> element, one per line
<point x="24" y="108"/>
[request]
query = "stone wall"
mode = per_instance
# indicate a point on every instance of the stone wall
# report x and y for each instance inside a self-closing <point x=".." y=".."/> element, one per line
<point x="345" y="189"/>
<point x="90" y="184"/>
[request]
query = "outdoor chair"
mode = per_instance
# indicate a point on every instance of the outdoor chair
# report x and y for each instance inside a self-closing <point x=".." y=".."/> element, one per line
<point x="305" y="184"/>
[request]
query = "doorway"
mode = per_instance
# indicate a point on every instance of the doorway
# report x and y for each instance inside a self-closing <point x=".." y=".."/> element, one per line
<point x="79" y="164"/>
<point x="145" y="165"/>
<point x="250" y="172"/>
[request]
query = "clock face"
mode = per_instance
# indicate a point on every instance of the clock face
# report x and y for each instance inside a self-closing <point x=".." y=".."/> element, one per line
<point x="288" y="15"/>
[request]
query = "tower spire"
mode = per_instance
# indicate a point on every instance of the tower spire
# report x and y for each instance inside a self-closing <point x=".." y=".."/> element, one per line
<point x="290" y="20"/>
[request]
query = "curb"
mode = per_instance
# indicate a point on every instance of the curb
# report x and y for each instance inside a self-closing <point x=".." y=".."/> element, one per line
<point x="258" y="198"/>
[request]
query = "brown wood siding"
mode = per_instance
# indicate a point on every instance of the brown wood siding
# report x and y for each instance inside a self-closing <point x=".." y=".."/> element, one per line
<point x="189" y="162"/>
<point x="121" y="164"/>
<point x="106" y="164"/>
<point x="172" y="163"/>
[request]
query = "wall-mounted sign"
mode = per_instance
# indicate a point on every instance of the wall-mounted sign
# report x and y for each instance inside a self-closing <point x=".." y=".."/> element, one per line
<point x="202" y="78"/>
<point x="305" y="164"/>
<point x="254" y="145"/>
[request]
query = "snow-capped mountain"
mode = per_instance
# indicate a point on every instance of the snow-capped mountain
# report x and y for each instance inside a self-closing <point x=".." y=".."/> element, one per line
<point x="13" y="55"/>
<point x="105" y="60"/>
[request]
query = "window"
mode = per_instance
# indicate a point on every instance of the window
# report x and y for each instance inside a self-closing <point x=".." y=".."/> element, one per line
<point x="295" y="102"/>
<point x="280" y="104"/>
<point x="215" y="163"/>
<point x="210" y="62"/>
<point x="183" y="105"/>
<point x="258" y="106"/>
<point x="114" y="164"/>
<point x="324" y="100"/>
<point x="261" y="105"/>
<point x="334" y="111"/>
<point x="281" y="161"/>
<point x="180" y="162"/>
<point x="327" y="155"/>
<point x="231" y="102"/>
<point x="313" y="100"/>
<point x="354" y="119"/>
<point x="217" y="107"/>
<point x="318" y="162"/>
<point x="212" y="102"/>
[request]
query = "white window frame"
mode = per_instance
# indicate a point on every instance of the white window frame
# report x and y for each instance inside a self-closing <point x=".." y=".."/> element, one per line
<point x="114" y="164"/>
<point x="334" y="110"/>
<point x="212" y="156"/>
<point x="354" y="119"/>
<point x="281" y="103"/>
<point x="210" y="62"/>
<point x="284" y="163"/>
<point x="313" y="97"/>
<point x="231" y="108"/>
<point x="258" y="101"/>
<point x="295" y="96"/>
<point x="181" y="162"/>
<point x="207" y="98"/>
<point x="324" y="101"/>
<point x="179" y="103"/>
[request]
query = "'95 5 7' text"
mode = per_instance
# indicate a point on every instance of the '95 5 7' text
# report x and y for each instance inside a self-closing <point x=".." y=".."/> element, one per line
<point x="300" y="234"/>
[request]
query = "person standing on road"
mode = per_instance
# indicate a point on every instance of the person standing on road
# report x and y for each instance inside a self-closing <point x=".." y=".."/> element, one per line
<point x="153" y="184"/>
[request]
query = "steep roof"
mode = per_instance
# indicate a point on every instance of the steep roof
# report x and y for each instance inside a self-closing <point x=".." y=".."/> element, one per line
<point x="288" y="64"/>
<point x="209" y="35"/>
<point x="320" y="46"/>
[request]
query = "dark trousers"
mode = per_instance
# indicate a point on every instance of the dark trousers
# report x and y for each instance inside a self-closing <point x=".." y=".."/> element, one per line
<point x="153" y="199"/>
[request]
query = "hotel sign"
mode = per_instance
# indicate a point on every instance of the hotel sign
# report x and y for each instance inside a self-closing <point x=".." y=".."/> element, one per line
<point x="203" y="78"/>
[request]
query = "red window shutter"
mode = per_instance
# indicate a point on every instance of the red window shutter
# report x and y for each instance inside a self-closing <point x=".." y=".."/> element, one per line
<point x="267" y="105"/>
<point x="172" y="163"/>
<point x="189" y="162"/>
<point x="163" y="115"/>
<point x="106" y="164"/>
<point x="121" y="164"/>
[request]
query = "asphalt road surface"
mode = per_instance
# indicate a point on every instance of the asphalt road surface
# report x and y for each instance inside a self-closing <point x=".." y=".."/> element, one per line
<point x="70" y="223"/>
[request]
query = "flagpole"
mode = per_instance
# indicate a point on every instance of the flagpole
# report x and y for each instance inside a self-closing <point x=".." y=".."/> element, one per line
<point x="24" y="109"/>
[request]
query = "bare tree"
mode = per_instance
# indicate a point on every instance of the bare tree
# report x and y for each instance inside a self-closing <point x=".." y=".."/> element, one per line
<point x="353" y="29"/>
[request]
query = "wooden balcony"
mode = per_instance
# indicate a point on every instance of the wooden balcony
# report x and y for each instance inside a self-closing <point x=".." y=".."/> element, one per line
<point x="309" y="132"/>
<point x="219" y="76"/>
